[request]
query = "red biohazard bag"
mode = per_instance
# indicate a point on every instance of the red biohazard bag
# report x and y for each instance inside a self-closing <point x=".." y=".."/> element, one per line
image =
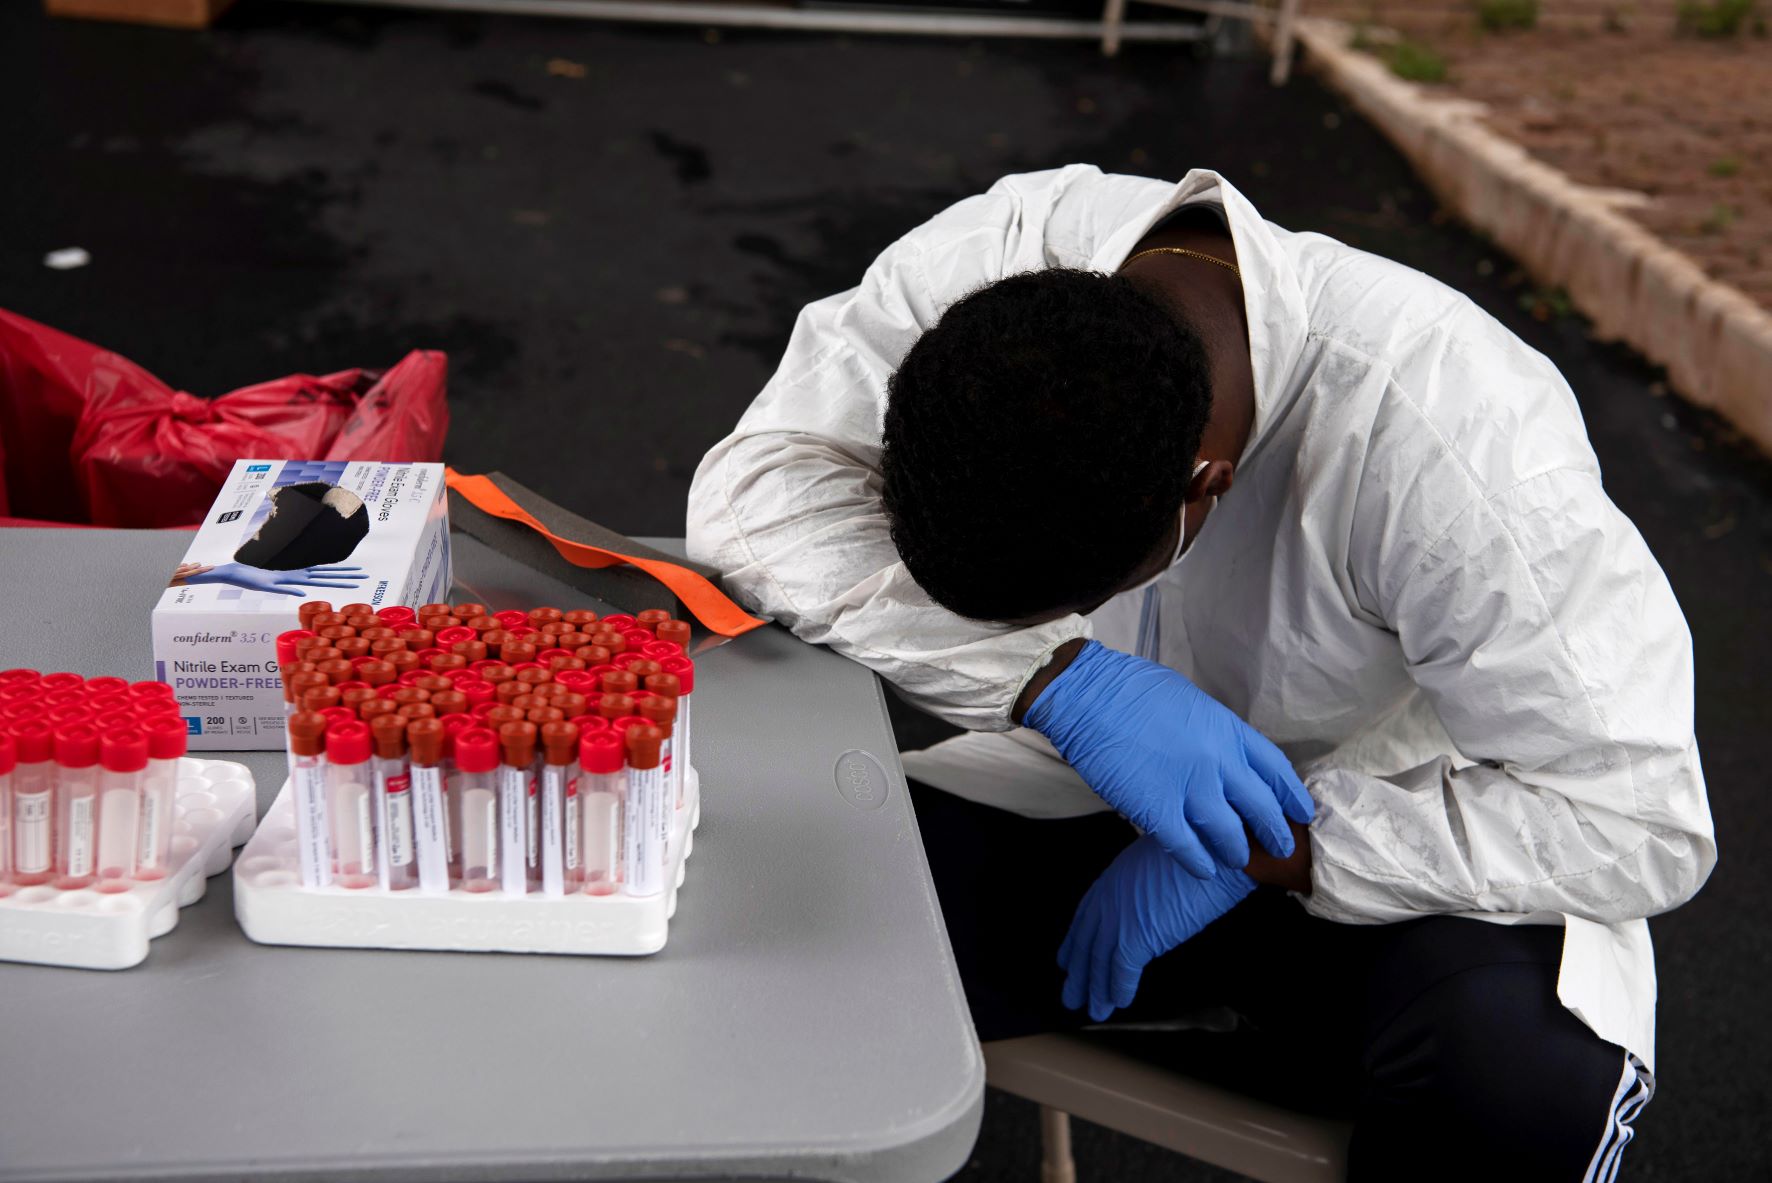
<point x="89" y="436"/>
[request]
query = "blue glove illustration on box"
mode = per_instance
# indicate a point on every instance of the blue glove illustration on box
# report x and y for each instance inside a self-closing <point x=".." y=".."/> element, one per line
<point x="1141" y="907"/>
<point x="1171" y="759"/>
<point x="277" y="583"/>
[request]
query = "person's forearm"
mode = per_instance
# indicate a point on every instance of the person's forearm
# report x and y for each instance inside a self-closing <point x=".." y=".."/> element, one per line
<point x="1292" y="873"/>
<point x="1060" y="660"/>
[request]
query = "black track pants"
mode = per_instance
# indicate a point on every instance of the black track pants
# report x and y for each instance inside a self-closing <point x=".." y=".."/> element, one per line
<point x="1441" y="1038"/>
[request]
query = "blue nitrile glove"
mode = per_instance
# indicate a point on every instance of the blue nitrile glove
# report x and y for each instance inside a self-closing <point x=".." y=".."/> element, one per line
<point x="1143" y="905"/>
<point x="279" y="583"/>
<point x="1170" y="759"/>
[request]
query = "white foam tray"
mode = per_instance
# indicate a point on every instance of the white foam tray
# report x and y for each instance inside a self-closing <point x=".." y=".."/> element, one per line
<point x="274" y="909"/>
<point x="91" y="929"/>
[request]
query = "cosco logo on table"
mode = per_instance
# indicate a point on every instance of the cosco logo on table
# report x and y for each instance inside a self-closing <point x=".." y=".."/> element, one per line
<point x="861" y="780"/>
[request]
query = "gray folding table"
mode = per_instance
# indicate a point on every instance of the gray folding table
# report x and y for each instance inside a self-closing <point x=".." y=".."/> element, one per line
<point x="805" y="1020"/>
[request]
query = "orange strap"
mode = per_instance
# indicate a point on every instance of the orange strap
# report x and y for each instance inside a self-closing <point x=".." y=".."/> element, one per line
<point x="707" y="602"/>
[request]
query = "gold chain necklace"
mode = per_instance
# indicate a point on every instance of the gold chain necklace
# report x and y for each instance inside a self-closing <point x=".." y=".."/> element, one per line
<point x="1182" y="250"/>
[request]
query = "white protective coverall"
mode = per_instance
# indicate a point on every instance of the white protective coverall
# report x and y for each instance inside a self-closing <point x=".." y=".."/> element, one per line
<point x="1417" y="587"/>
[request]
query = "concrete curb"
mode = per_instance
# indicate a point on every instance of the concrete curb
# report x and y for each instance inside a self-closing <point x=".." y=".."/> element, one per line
<point x="1715" y="342"/>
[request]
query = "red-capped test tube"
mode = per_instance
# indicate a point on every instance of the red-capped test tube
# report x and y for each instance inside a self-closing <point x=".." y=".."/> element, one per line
<point x="8" y="761"/>
<point x="644" y="857"/>
<point x="519" y="808"/>
<point x="350" y="803"/>
<point x="307" y="778"/>
<point x="33" y="803"/>
<point x="167" y="740"/>
<point x="658" y="704"/>
<point x="559" y="807"/>
<point x="682" y="751"/>
<point x="430" y="815"/>
<point x="123" y="760"/>
<point x="396" y="855"/>
<point x="478" y="771"/>
<point x="76" y="813"/>
<point x="603" y="790"/>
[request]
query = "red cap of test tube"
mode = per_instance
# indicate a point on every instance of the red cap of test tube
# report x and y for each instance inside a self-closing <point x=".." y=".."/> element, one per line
<point x="124" y="751"/>
<point x="683" y="668"/>
<point x="63" y="681"/>
<point x="397" y="614"/>
<point x="659" y="650"/>
<point x="21" y="674"/>
<point x="106" y="685"/>
<point x="601" y="751"/>
<point x="35" y="740"/>
<point x="643" y="744"/>
<point x="348" y="742"/>
<point x="286" y="644"/>
<point x="8" y="754"/>
<point x="76" y="746"/>
<point x="476" y="750"/>
<point x="167" y="737"/>
<point x="577" y="681"/>
<point x="337" y="717"/>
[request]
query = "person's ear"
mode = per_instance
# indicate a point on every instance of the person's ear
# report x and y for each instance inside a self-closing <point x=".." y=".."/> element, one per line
<point x="1214" y="480"/>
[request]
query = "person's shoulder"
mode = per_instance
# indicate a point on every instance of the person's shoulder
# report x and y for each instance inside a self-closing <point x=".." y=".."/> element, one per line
<point x="1458" y="384"/>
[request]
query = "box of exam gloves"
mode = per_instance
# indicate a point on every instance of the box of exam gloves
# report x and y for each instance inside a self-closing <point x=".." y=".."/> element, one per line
<point x="281" y="533"/>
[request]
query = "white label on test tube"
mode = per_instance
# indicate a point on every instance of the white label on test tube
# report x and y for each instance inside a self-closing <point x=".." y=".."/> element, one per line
<point x="571" y="834"/>
<point x="645" y="861"/>
<point x="513" y="810"/>
<point x="312" y="840"/>
<point x="380" y="793"/>
<point x="683" y="738"/>
<point x="81" y="837"/>
<point x="665" y="809"/>
<point x="532" y="831"/>
<point x="159" y="784"/>
<point x="5" y="828"/>
<point x="553" y="846"/>
<point x="399" y="844"/>
<point x="31" y="848"/>
<point x="428" y="820"/>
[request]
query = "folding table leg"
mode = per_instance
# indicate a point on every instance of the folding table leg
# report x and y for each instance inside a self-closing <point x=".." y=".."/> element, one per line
<point x="1056" y="1164"/>
<point x="1111" y="18"/>
<point x="1283" y="42"/>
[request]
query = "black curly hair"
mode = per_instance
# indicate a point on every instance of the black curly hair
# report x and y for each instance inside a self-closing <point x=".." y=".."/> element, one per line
<point x="1038" y="442"/>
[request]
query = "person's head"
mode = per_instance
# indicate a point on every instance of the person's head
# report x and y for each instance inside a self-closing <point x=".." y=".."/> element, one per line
<point x="1039" y="443"/>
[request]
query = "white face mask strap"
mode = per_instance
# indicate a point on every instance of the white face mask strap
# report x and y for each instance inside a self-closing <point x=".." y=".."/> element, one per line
<point x="1181" y="543"/>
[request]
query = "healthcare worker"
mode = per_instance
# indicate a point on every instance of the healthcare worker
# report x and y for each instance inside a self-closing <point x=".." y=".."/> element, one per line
<point x="1299" y="564"/>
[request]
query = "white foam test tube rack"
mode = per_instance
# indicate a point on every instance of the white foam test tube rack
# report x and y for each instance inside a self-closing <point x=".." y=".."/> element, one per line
<point x="109" y="925"/>
<point x="273" y="907"/>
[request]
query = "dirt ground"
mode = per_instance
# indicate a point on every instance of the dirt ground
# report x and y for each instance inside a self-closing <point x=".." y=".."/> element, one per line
<point x="1632" y="104"/>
